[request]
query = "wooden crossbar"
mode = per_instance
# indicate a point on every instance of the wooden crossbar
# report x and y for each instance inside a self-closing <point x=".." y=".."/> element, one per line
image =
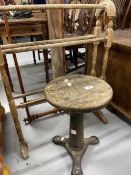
<point x="51" y="7"/>
<point x="54" y="45"/>
<point x="29" y="93"/>
<point x="31" y="102"/>
<point x="11" y="46"/>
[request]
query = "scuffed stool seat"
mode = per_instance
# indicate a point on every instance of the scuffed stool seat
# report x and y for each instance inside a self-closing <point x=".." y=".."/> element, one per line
<point x="76" y="94"/>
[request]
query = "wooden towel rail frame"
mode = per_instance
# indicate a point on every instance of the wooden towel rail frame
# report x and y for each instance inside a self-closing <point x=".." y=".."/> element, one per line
<point x="107" y="5"/>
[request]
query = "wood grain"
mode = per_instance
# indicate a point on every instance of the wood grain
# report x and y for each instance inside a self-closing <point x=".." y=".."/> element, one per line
<point x="84" y="94"/>
<point x="55" y="26"/>
<point x="35" y="25"/>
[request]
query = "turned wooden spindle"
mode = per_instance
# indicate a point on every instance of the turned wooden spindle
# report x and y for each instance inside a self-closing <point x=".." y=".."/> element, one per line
<point x="107" y="45"/>
<point x="97" y="31"/>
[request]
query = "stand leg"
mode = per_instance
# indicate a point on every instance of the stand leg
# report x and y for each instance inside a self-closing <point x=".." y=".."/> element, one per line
<point x="76" y="145"/>
<point x="31" y="38"/>
<point x="70" y="54"/>
<point x="23" y="144"/>
<point x="39" y="54"/>
<point x="8" y="73"/>
<point x="75" y="55"/>
<point x="34" y="56"/>
<point x="101" y="117"/>
<point x="21" y="83"/>
<point x="5" y="80"/>
<point x="5" y="41"/>
<point x="45" y="54"/>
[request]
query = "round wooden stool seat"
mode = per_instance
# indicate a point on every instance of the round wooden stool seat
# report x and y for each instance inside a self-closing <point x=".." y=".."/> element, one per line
<point x="78" y="93"/>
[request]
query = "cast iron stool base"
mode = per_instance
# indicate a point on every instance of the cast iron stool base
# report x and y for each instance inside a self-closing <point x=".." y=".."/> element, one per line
<point x="76" y="155"/>
<point x="76" y="145"/>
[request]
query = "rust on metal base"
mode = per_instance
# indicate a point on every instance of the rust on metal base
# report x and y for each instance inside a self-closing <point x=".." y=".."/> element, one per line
<point x="76" y="145"/>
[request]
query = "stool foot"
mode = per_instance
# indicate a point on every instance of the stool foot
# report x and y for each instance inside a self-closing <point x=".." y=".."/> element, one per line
<point x="57" y="140"/>
<point x="76" y="154"/>
<point x="93" y="140"/>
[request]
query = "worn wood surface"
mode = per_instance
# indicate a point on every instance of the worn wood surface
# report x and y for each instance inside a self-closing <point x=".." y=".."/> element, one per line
<point x="36" y="25"/>
<point x="55" y="27"/>
<point x="118" y="72"/>
<point x="122" y="39"/>
<point x="78" y="93"/>
<point x="56" y="4"/>
<point x="44" y="42"/>
<point x="53" y="45"/>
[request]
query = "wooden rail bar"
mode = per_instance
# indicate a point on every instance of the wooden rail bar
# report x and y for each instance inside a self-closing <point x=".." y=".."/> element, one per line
<point x="51" y="7"/>
<point x="31" y="103"/>
<point x="9" y="46"/>
<point x="63" y="44"/>
<point x="37" y="116"/>
<point x="29" y="94"/>
<point x="52" y="111"/>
